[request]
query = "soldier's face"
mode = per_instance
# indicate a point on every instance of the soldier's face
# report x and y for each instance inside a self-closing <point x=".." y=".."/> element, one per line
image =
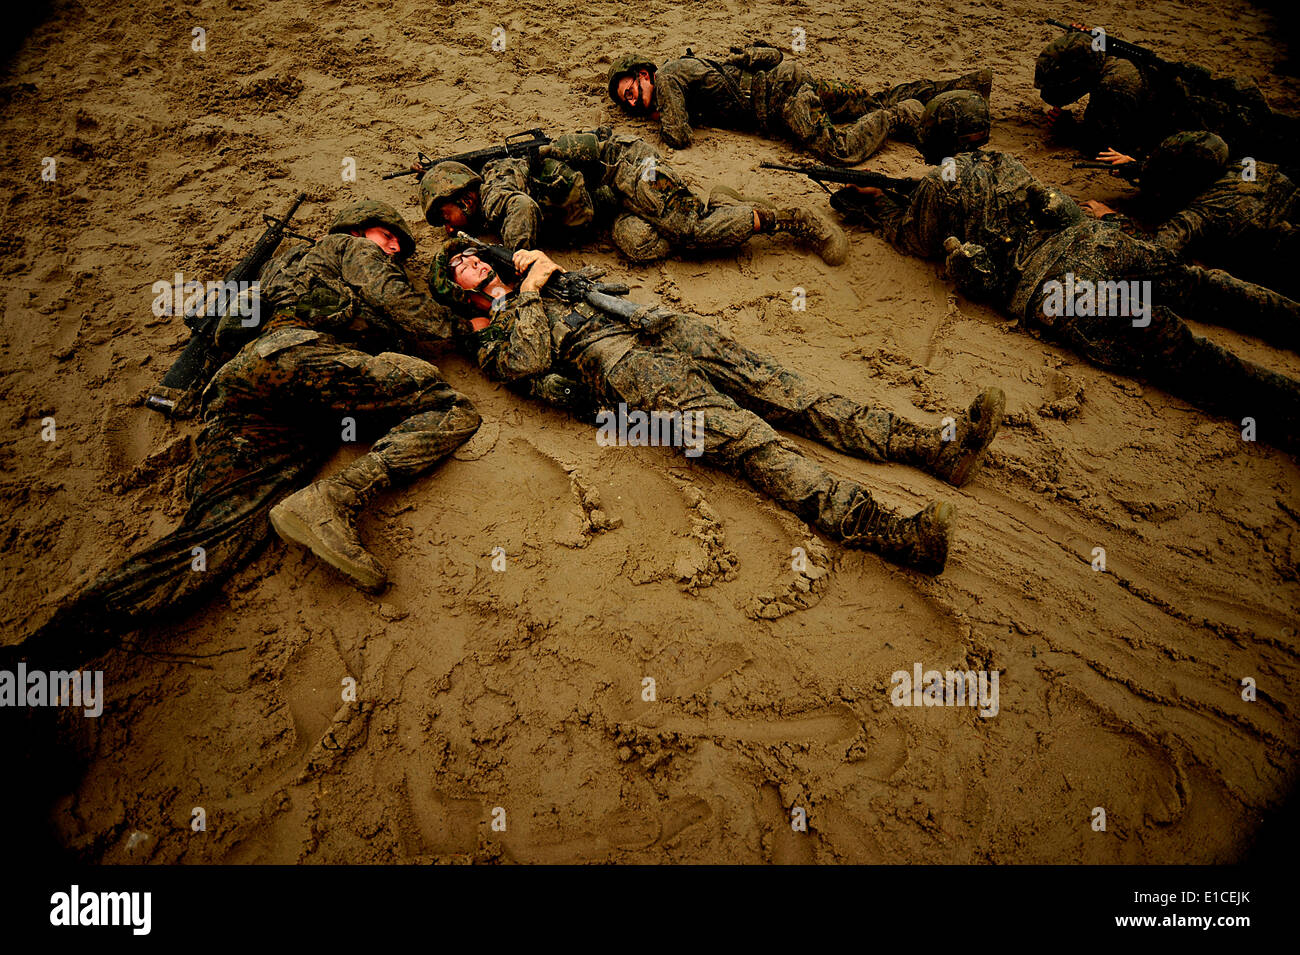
<point x="469" y="271"/>
<point x="635" y="91"/>
<point x="458" y="213"/>
<point x="383" y="238"/>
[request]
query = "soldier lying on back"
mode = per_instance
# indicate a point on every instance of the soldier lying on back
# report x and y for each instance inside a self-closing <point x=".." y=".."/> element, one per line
<point x="586" y="177"/>
<point x="660" y="360"/>
<point x="758" y="89"/>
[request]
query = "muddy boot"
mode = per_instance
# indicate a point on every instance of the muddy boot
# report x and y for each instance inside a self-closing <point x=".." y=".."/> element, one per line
<point x="981" y="81"/>
<point x="920" y="541"/>
<point x="956" y="459"/>
<point x="811" y="230"/>
<point x="323" y="518"/>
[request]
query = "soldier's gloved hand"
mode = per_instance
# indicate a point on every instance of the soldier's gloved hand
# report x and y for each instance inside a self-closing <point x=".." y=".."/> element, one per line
<point x="971" y="267"/>
<point x="572" y="147"/>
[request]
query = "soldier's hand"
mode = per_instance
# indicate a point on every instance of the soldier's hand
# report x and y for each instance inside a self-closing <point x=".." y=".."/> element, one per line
<point x="1114" y="157"/>
<point x="537" y="265"/>
<point x="1097" y="208"/>
<point x="868" y="192"/>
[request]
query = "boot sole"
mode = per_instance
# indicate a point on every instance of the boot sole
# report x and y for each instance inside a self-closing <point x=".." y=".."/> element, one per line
<point x="943" y="517"/>
<point x="295" y="530"/>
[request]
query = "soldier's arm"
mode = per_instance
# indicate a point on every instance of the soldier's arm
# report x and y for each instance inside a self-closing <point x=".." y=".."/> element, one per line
<point x="507" y="206"/>
<point x="526" y="349"/>
<point x="672" y="86"/>
<point x="383" y="286"/>
<point x="1181" y="231"/>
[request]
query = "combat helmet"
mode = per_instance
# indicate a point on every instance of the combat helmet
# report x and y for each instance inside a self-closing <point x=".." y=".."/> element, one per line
<point x="1067" y="68"/>
<point x="371" y="212"/>
<point x="1183" y="165"/>
<point x="442" y="285"/>
<point x="442" y="184"/>
<point x="953" y="122"/>
<point x="629" y="65"/>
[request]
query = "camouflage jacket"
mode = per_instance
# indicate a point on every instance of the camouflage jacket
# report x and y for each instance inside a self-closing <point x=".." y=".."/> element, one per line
<point x="692" y="91"/>
<point x="1134" y="107"/>
<point x="532" y="334"/>
<point x="347" y="287"/>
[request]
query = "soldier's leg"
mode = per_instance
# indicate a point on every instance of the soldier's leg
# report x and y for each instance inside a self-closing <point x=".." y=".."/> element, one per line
<point x="849" y="100"/>
<point x="1218" y="298"/>
<point x="739" y="440"/>
<point x="507" y="206"/>
<point x="639" y="240"/>
<point x="785" y="398"/>
<point x="422" y="420"/>
<point x="1193" y="368"/>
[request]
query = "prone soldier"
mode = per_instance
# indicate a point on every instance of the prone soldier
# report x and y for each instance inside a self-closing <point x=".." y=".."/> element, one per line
<point x="758" y="89"/>
<point x="608" y="175"/>
<point x="660" y="360"/>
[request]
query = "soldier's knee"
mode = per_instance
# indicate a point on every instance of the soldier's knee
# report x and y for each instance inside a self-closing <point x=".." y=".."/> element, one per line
<point x="639" y="240"/>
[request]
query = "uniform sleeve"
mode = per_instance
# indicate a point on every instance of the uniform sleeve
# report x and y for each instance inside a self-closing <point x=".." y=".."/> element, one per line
<point x="507" y="206"/>
<point x="1181" y="231"/>
<point x="526" y="350"/>
<point x="672" y="86"/>
<point x="383" y="286"/>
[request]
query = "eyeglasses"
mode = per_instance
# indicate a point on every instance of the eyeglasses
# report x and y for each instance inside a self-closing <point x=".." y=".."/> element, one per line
<point x="457" y="260"/>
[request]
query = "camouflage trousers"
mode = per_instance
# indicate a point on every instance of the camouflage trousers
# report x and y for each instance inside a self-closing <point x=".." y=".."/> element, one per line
<point x="738" y="394"/>
<point x="659" y="213"/>
<point x="519" y="201"/>
<point x="779" y="395"/>
<point x="804" y="108"/>
<point x="1189" y="366"/>
<point x="271" y="420"/>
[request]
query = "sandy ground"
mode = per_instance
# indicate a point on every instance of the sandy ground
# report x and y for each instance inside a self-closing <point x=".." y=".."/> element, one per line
<point x="523" y="689"/>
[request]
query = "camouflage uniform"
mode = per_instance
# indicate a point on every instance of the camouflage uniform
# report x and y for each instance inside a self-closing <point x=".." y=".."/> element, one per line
<point x="1132" y="107"/>
<point x="1005" y="236"/>
<point x="272" y="415"/>
<point x="518" y="202"/>
<point x="656" y="212"/>
<point x="1245" y="227"/>
<point x="669" y="361"/>
<point x="759" y="89"/>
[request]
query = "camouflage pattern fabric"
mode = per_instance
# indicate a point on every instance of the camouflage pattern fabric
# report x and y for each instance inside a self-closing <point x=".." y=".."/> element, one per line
<point x="1017" y="234"/>
<point x="519" y="201"/>
<point x="272" y="416"/>
<point x="1133" y="107"/>
<point x="659" y="214"/>
<point x="785" y="100"/>
<point x="677" y="362"/>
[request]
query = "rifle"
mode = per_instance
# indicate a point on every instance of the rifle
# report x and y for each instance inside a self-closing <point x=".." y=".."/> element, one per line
<point x="1125" y="170"/>
<point x="855" y="177"/>
<point x="476" y="159"/>
<point x="1116" y="47"/>
<point x="174" y="395"/>
<point x="571" y="287"/>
